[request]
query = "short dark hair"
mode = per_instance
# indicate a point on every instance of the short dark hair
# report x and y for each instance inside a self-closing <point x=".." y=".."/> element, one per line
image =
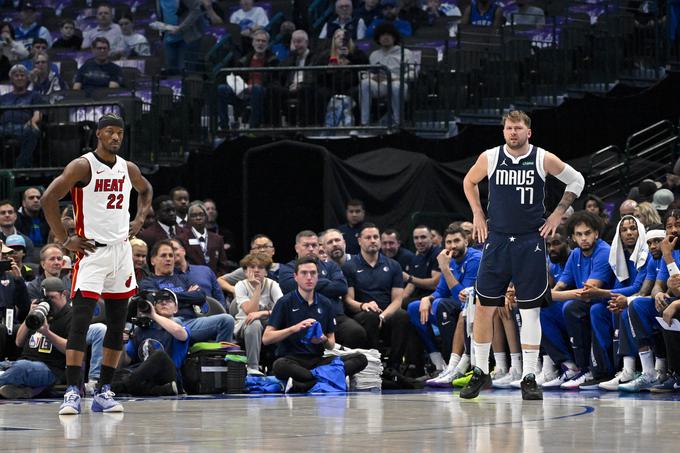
<point x="305" y="234"/>
<point x="23" y="194"/>
<point x="9" y="202"/>
<point x="422" y="226"/>
<point x="354" y="202"/>
<point x="305" y="260"/>
<point x="656" y="226"/>
<point x="40" y="41"/>
<point x="392" y="231"/>
<point x="177" y="189"/>
<point x="158" y="245"/>
<point x="454" y="230"/>
<point x="67" y="21"/>
<point x="158" y="201"/>
<point x="102" y="40"/>
<point x="590" y="220"/>
<point x="259" y="236"/>
<point x="368" y="225"/>
<point x="675" y="213"/>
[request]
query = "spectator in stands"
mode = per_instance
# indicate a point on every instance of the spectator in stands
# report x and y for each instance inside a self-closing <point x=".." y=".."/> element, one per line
<point x="213" y="12"/>
<point x="249" y="17"/>
<point x="69" y="39"/>
<point x="30" y="29"/>
<point x="180" y="196"/>
<point x="258" y="85"/>
<point x="422" y="275"/>
<point x="136" y="44"/>
<point x="376" y="84"/>
<point x="218" y="327"/>
<point x="282" y="48"/>
<point x="390" y="15"/>
<point x="183" y="25"/>
<point x="165" y="226"/>
<point x="255" y="297"/>
<point x="8" y="222"/>
<point x="662" y="199"/>
<point x="51" y="265"/>
<point x="434" y="9"/>
<point x="301" y="85"/>
<point x="198" y="274"/>
<point x="42" y="362"/>
<point x="627" y="207"/>
<point x="368" y="10"/>
<point x="391" y="247"/>
<point x="99" y="71"/>
<point x="374" y="295"/>
<point x="105" y="28"/>
<point x="212" y="225"/>
<point x="437" y="237"/>
<point x="340" y="87"/>
<point x="343" y="19"/>
<point x="43" y="79"/>
<point x="31" y="218"/>
<point x="23" y="269"/>
<point x="331" y="283"/>
<point x="260" y="243"/>
<point x="525" y="14"/>
<point x="13" y="295"/>
<point x="11" y="50"/>
<point x="412" y="12"/>
<point x="647" y="214"/>
<point x="483" y="13"/>
<point x="202" y="246"/>
<point x="288" y="326"/>
<point x="335" y="247"/>
<point x="21" y="123"/>
<point x="139" y="254"/>
<point x="355" y="215"/>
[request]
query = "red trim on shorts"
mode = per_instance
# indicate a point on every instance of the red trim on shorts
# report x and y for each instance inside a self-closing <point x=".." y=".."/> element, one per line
<point x="87" y="294"/>
<point x="77" y="198"/>
<point x="116" y="296"/>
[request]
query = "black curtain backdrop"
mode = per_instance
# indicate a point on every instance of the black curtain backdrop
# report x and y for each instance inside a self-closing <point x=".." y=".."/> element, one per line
<point x="292" y="185"/>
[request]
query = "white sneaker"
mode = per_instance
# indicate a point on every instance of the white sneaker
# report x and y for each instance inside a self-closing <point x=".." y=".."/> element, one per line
<point x="559" y="379"/>
<point x="621" y="377"/>
<point x="546" y="376"/>
<point x="254" y="372"/>
<point x="498" y="373"/>
<point x="504" y="382"/>
<point x="443" y="380"/>
<point x="576" y="381"/>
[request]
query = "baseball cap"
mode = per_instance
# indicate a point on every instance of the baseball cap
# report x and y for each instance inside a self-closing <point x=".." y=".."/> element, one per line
<point x="15" y="240"/>
<point x="165" y="294"/>
<point x="53" y="284"/>
<point x="662" y="199"/>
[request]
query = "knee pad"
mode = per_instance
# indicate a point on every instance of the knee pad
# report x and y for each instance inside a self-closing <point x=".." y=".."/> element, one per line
<point x="116" y="313"/>
<point x="81" y="315"/>
<point x="530" y="334"/>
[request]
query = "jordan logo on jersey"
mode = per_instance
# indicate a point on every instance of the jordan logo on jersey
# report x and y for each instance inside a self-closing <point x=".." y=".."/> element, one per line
<point x="109" y="185"/>
<point x="538" y="248"/>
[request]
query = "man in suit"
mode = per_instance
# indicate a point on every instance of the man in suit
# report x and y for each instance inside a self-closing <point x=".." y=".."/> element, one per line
<point x="202" y="246"/>
<point x="300" y="85"/>
<point x="165" y="226"/>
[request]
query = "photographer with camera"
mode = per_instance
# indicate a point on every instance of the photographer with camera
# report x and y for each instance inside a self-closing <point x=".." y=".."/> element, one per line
<point x="14" y="303"/>
<point x="190" y="297"/>
<point x="156" y="348"/>
<point x="43" y="337"/>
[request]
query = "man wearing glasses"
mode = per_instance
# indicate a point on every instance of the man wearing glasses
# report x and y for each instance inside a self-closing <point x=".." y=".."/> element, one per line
<point x="259" y="244"/>
<point x="99" y="71"/>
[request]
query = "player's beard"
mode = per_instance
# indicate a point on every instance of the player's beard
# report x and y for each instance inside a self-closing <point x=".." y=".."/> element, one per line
<point x="518" y="145"/>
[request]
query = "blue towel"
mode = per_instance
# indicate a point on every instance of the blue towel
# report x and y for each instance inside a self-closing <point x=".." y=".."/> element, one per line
<point x="264" y="384"/>
<point x="330" y="378"/>
<point x="313" y="331"/>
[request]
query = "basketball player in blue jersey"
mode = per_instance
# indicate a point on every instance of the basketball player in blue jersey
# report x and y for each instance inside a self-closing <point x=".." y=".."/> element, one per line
<point x="514" y="242"/>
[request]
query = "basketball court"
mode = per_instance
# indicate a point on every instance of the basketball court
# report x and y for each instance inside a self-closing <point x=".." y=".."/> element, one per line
<point x="413" y="421"/>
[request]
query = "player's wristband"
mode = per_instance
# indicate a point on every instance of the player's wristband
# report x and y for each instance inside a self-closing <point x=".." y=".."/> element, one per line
<point x="673" y="269"/>
<point x="68" y="239"/>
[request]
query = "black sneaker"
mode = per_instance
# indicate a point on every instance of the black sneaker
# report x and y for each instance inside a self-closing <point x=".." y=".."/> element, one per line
<point x="530" y="389"/>
<point x="594" y="383"/>
<point x="478" y="381"/>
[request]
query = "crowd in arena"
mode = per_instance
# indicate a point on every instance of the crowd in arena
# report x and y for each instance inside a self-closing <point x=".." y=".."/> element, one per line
<point x="614" y="276"/>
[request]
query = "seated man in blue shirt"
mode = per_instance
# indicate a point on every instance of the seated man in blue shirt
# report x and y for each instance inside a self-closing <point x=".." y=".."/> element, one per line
<point x="156" y="349"/>
<point x="22" y="122"/>
<point x="331" y="283"/>
<point x="391" y="247"/>
<point x="202" y="276"/>
<point x="422" y="274"/>
<point x="459" y="266"/>
<point x="374" y="295"/>
<point x="587" y="267"/>
<point x="290" y="319"/>
<point x="190" y="297"/>
<point x="99" y="71"/>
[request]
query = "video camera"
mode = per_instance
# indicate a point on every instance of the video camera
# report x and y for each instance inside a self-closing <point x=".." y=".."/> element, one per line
<point x="139" y="307"/>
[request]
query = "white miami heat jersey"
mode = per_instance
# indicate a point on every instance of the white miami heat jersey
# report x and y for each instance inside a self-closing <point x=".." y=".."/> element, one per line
<point x="101" y="208"/>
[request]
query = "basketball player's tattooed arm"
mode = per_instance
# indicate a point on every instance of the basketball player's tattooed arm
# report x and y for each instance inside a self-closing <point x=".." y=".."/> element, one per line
<point x="471" y="187"/>
<point x="144" y="196"/>
<point x="77" y="171"/>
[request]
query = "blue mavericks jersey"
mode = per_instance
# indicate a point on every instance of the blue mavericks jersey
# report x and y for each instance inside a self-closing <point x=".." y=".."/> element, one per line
<point x="479" y="19"/>
<point x="516" y="191"/>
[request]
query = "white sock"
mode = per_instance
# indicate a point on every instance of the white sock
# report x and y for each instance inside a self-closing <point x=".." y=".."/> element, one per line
<point x="453" y="361"/>
<point x="548" y="365"/>
<point x="516" y="360"/>
<point x="463" y="364"/>
<point x="647" y="359"/>
<point x="660" y="365"/>
<point x="571" y="366"/>
<point x="529" y="361"/>
<point x="629" y="365"/>
<point x="473" y="356"/>
<point x="437" y="360"/>
<point x="501" y="360"/>
<point x="481" y="352"/>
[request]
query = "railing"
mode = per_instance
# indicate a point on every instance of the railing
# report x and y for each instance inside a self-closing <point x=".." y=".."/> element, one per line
<point x="650" y="153"/>
<point x="606" y="175"/>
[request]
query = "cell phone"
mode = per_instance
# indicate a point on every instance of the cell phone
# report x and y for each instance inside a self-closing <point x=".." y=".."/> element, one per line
<point x="5" y="265"/>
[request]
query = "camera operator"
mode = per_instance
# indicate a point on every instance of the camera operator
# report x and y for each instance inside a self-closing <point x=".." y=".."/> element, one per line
<point x="157" y="347"/>
<point x="189" y="297"/>
<point x="43" y="337"/>
<point x="14" y="303"/>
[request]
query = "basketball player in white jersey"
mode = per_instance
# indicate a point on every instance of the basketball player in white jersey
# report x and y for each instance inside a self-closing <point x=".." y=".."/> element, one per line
<point x="100" y="183"/>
